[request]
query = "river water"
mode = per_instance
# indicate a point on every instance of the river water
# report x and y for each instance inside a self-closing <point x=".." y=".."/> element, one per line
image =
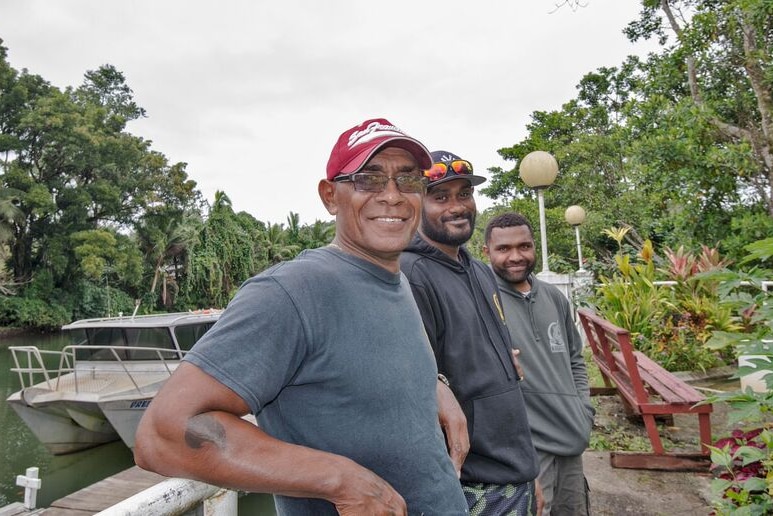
<point x="62" y="474"/>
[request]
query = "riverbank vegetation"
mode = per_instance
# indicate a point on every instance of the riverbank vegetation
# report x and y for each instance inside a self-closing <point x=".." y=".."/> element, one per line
<point x="94" y="222"/>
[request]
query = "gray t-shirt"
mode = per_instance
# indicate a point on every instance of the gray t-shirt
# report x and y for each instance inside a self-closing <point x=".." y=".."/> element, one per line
<point x="330" y="352"/>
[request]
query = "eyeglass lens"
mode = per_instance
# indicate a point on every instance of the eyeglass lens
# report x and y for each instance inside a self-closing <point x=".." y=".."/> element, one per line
<point x="439" y="170"/>
<point x="378" y="183"/>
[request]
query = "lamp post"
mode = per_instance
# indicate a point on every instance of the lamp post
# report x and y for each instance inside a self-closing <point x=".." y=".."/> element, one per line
<point x="575" y="216"/>
<point x="538" y="170"/>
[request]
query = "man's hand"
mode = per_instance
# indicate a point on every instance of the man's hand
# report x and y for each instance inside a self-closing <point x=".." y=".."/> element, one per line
<point x="454" y="425"/>
<point x="516" y="363"/>
<point x="367" y="493"/>
<point x="540" y="497"/>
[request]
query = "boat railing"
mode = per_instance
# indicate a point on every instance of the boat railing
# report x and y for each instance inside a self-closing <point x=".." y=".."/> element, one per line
<point x="162" y="319"/>
<point x="122" y="355"/>
<point x="35" y="366"/>
<point x="32" y="367"/>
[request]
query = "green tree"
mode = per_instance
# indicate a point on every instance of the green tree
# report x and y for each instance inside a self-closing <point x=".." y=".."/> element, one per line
<point x="319" y="234"/>
<point x="9" y="212"/>
<point x="276" y="245"/>
<point x="74" y="170"/>
<point x="590" y="139"/>
<point x="225" y="254"/>
<point x="721" y="57"/>
<point x="166" y="236"/>
<point x="676" y="146"/>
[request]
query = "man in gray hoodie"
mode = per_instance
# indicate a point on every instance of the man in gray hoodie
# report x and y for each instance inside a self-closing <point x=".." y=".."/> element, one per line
<point x="555" y="383"/>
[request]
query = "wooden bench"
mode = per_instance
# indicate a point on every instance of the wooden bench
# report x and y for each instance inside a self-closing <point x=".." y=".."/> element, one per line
<point x="648" y="391"/>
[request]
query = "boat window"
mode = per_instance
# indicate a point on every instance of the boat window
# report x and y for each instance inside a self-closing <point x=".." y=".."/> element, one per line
<point x="78" y="337"/>
<point x="149" y="338"/>
<point x="187" y="336"/>
<point x="100" y="339"/>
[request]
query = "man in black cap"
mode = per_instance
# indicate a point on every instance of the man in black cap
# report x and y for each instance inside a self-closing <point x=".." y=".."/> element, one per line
<point x="460" y="305"/>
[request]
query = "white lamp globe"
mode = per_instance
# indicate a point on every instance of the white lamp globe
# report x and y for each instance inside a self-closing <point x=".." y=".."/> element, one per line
<point x="575" y="215"/>
<point x="538" y="169"/>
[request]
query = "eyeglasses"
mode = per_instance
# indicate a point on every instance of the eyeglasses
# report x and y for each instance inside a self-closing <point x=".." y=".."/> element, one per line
<point x="439" y="170"/>
<point x="374" y="183"/>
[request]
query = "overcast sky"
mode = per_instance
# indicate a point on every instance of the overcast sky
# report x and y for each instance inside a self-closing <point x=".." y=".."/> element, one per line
<point x="253" y="94"/>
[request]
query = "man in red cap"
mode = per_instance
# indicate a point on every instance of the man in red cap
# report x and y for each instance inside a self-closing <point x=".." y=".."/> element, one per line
<point x="329" y="352"/>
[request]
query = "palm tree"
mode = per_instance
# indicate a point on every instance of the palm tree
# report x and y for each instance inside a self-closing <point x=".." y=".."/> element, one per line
<point x="275" y="246"/>
<point x="9" y="213"/>
<point x="166" y="239"/>
<point x="293" y="228"/>
<point x="318" y="234"/>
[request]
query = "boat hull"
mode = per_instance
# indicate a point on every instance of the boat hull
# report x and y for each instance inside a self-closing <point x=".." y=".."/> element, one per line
<point x="54" y="427"/>
<point x="124" y="416"/>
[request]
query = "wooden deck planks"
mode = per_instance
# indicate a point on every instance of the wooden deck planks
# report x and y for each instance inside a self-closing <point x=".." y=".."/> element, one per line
<point x="105" y="493"/>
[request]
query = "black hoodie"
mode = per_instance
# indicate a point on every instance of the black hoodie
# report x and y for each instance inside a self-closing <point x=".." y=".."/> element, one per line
<point x="459" y="303"/>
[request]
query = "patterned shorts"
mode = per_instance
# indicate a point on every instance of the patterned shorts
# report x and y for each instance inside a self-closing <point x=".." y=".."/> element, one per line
<point x="501" y="500"/>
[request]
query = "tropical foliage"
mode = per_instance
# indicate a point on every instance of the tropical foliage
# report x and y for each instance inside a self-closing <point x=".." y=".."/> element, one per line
<point x="676" y="144"/>
<point x="670" y="304"/>
<point x="743" y="461"/>
<point x="743" y="467"/>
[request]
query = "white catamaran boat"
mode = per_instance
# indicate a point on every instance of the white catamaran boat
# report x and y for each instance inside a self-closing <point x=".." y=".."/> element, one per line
<point x="96" y="389"/>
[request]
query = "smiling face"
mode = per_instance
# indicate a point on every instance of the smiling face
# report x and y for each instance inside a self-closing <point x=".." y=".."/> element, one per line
<point x="376" y="226"/>
<point x="448" y="216"/>
<point x="512" y="255"/>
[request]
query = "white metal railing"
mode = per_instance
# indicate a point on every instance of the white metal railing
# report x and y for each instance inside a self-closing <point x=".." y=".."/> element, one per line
<point x="765" y="285"/>
<point x="177" y="496"/>
<point x="171" y="496"/>
<point x="32" y="367"/>
<point x="32" y="364"/>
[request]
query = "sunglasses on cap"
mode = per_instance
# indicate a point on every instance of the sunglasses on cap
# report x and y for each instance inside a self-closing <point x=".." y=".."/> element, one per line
<point x="440" y="170"/>
<point x="375" y="183"/>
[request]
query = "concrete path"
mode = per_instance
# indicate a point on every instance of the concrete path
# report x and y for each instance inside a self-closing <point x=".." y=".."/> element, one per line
<point x="616" y="491"/>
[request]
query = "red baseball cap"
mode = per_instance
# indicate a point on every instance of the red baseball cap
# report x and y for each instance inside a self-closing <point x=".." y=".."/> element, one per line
<point x="360" y="143"/>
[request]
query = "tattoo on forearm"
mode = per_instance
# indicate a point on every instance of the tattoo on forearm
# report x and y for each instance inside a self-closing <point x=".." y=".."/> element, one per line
<point x="203" y="429"/>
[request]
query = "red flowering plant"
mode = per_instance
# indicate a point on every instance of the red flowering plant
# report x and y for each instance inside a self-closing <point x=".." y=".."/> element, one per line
<point x="743" y="468"/>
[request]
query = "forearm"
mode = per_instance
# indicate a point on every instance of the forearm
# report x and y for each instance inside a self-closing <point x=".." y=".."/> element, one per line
<point x="222" y="449"/>
<point x="193" y="429"/>
<point x="454" y="424"/>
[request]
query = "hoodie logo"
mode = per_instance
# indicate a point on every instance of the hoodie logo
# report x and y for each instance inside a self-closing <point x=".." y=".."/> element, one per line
<point x="499" y="308"/>
<point x="557" y="344"/>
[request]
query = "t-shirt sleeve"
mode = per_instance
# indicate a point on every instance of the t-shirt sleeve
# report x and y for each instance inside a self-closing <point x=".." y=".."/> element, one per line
<point x="257" y="345"/>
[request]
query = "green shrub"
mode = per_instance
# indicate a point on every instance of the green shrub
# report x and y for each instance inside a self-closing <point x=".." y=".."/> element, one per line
<point x="669" y="323"/>
<point x="35" y="314"/>
<point x="100" y="301"/>
<point x="677" y="343"/>
<point x="631" y="299"/>
<point x="743" y="461"/>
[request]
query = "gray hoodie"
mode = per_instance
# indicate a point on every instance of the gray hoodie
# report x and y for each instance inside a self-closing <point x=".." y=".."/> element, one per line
<point x="555" y="382"/>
